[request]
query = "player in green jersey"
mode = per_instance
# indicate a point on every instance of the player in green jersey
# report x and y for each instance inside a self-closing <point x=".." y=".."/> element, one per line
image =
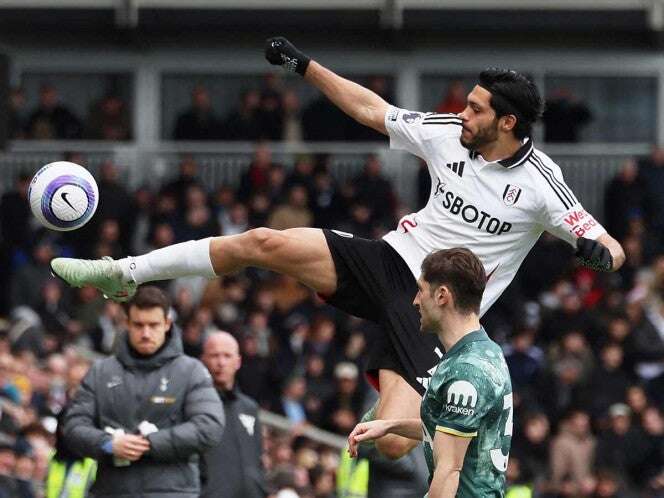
<point x="466" y="412"/>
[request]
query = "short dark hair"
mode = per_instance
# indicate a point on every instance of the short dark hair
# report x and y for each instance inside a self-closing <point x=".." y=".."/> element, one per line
<point x="460" y="271"/>
<point x="148" y="297"/>
<point x="513" y="93"/>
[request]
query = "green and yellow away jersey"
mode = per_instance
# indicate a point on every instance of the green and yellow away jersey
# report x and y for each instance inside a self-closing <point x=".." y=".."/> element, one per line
<point x="470" y="395"/>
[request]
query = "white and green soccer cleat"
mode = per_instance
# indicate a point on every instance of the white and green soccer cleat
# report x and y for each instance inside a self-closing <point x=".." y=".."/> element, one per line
<point x="104" y="274"/>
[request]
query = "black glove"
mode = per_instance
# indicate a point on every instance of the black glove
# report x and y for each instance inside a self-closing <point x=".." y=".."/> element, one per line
<point x="593" y="254"/>
<point x="280" y="52"/>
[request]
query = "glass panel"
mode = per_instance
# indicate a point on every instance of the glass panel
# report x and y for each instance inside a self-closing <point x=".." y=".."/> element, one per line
<point x="621" y="109"/>
<point x="252" y="107"/>
<point x="72" y="106"/>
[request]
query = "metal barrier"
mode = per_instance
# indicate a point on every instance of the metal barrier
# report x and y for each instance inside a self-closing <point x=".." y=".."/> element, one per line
<point x="586" y="168"/>
<point x="309" y="431"/>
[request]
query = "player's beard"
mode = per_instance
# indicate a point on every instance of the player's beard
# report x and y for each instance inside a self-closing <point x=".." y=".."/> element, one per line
<point x="482" y="137"/>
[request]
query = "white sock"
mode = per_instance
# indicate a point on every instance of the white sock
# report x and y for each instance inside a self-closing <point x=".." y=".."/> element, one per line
<point x="179" y="260"/>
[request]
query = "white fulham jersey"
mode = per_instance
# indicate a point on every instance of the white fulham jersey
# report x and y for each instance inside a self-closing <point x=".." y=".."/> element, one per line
<point x="496" y="209"/>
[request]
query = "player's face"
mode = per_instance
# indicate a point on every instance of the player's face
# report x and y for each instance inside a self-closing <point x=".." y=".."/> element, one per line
<point x="480" y="124"/>
<point x="426" y="306"/>
<point x="147" y="329"/>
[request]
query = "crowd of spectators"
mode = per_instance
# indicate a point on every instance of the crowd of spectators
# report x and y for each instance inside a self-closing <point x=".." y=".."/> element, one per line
<point x="269" y="110"/>
<point x="108" y="118"/>
<point x="273" y="111"/>
<point x="585" y="350"/>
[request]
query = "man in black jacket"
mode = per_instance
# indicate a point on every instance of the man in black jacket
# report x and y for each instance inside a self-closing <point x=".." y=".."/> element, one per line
<point x="146" y="412"/>
<point x="232" y="469"/>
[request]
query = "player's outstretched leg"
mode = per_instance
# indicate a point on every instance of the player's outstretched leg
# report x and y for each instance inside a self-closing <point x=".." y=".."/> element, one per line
<point x="397" y="400"/>
<point x="301" y="253"/>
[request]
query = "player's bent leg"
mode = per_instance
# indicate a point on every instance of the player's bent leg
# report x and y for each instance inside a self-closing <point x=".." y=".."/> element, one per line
<point x="397" y="400"/>
<point x="301" y="253"/>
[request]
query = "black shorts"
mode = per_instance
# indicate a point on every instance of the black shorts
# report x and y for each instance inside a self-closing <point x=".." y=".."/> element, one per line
<point x="374" y="283"/>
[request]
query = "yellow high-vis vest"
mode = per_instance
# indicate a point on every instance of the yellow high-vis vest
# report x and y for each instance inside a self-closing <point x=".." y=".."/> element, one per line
<point x="519" y="491"/>
<point x="70" y="483"/>
<point x="352" y="477"/>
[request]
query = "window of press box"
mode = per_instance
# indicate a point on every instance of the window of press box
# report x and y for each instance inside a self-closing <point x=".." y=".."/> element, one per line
<point x="273" y="106"/>
<point x="68" y="106"/>
<point x="600" y="109"/>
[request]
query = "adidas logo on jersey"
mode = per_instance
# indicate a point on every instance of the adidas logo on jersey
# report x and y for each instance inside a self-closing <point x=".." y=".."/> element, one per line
<point x="457" y="167"/>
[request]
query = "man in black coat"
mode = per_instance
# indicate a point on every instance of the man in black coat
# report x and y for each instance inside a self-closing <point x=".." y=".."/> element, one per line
<point x="233" y="468"/>
<point x="146" y="412"/>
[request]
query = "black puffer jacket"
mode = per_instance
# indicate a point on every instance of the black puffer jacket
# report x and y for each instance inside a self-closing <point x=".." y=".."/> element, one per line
<point x="168" y="389"/>
<point x="233" y="469"/>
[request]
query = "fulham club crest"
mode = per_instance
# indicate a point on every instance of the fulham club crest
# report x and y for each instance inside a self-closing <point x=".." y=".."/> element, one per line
<point x="511" y="194"/>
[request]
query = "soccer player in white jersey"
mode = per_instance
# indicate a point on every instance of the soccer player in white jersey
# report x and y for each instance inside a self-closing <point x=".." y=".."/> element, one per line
<point x="492" y="192"/>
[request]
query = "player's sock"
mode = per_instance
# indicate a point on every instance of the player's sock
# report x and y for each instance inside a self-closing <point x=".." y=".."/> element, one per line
<point x="179" y="260"/>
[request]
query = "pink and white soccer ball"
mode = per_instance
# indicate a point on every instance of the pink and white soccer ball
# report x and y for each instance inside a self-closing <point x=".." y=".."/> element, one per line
<point x="63" y="196"/>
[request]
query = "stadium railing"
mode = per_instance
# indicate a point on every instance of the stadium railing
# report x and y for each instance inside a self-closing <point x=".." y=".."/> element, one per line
<point x="586" y="167"/>
<point x="311" y="432"/>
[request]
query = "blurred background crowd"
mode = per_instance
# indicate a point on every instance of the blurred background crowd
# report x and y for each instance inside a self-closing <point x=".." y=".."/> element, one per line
<point x="168" y="104"/>
<point x="585" y="350"/>
<point x="265" y="107"/>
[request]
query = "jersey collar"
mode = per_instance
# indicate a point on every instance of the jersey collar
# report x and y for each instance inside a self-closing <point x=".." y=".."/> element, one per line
<point x="520" y="157"/>
<point x="477" y="335"/>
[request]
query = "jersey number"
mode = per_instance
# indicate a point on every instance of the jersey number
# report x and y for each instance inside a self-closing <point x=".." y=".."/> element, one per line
<point x="498" y="459"/>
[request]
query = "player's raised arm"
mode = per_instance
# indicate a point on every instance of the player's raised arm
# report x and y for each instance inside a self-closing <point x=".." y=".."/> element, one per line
<point x="361" y="104"/>
<point x="449" y="452"/>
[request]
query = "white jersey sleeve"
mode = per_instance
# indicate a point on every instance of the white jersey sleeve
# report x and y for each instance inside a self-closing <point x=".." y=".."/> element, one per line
<point x="412" y="131"/>
<point x="563" y="215"/>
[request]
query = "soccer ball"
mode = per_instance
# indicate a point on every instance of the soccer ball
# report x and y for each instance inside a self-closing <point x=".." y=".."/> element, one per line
<point x="63" y="196"/>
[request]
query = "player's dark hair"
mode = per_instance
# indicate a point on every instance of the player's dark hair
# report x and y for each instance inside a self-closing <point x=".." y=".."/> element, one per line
<point x="149" y="297"/>
<point x="461" y="272"/>
<point x="513" y="93"/>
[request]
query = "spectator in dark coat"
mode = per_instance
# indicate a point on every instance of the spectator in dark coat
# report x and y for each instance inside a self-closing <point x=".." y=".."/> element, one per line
<point x="199" y="122"/>
<point x="31" y="277"/>
<point x="187" y="177"/>
<point x="270" y="116"/>
<point x="373" y="189"/>
<point x="341" y="410"/>
<point x="244" y="123"/>
<point x="109" y="119"/>
<point x="624" y="195"/>
<point x="524" y="359"/>
<point x="564" y="117"/>
<point x="651" y="170"/>
<point x="233" y="468"/>
<point x="52" y="120"/>
<point x="116" y="203"/>
<point x="608" y="381"/>
<point x="15" y="234"/>
<point x="17" y="118"/>
<point x="531" y="442"/>
<point x="622" y="447"/>
<point x="8" y="484"/>
<point x="652" y="423"/>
